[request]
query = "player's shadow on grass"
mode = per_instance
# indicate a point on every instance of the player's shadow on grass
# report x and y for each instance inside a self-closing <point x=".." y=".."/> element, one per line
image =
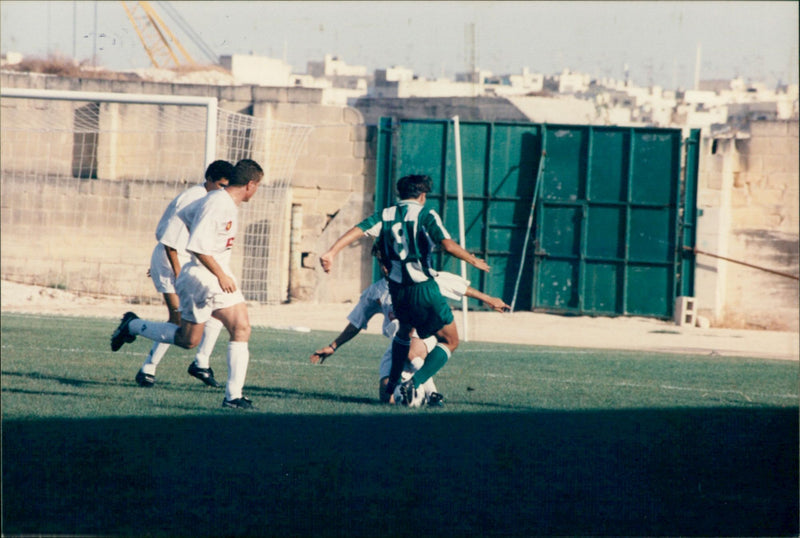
<point x="72" y="382"/>
<point x="186" y="383"/>
<point x="286" y="394"/>
<point x="642" y="472"/>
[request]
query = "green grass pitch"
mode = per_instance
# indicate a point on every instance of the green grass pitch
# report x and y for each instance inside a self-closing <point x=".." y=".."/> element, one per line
<point x="532" y="441"/>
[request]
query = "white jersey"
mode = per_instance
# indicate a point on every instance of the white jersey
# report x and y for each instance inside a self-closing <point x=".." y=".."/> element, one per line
<point x="212" y="222"/>
<point x="171" y="231"/>
<point x="375" y="299"/>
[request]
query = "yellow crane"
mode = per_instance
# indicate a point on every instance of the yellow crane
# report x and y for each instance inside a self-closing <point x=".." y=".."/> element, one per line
<point x="159" y="42"/>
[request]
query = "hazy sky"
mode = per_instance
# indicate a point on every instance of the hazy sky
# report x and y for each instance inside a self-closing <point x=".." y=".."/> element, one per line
<point x="657" y="40"/>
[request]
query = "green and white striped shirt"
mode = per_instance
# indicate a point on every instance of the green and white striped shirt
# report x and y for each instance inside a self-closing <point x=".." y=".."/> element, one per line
<point x="408" y="233"/>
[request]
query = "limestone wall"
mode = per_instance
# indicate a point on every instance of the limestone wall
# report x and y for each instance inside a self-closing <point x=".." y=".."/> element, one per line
<point x="748" y="195"/>
<point x="333" y="172"/>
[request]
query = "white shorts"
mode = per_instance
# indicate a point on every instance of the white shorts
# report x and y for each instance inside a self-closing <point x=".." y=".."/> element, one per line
<point x="161" y="271"/>
<point x="200" y="293"/>
<point x="386" y="360"/>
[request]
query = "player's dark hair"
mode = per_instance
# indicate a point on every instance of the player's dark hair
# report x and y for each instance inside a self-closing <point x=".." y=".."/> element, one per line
<point x="412" y="186"/>
<point x="245" y="171"/>
<point x="219" y="170"/>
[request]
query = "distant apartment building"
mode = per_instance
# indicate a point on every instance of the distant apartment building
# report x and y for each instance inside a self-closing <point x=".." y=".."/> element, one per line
<point x="333" y="66"/>
<point x="257" y="70"/>
<point x="567" y="97"/>
<point x="401" y="82"/>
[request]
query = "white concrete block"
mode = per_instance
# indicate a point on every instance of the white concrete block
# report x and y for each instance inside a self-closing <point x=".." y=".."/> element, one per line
<point x="685" y="311"/>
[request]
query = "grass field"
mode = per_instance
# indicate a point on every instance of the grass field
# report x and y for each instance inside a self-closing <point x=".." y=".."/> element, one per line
<point x="532" y="441"/>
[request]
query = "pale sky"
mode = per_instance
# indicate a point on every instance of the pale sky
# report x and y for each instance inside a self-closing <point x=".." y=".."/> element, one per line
<point x="659" y="41"/>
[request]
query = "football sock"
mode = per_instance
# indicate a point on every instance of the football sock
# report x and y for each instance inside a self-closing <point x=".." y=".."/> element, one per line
<point x="157" y="331"/>
<point x="416" y="363"/>
<point x="429" y="386"/>
<point x="154" y="357"/>
<point x="400" y="349"/>
<point x="238" y="359"/>
<point x="211" y="332"/>
<point x="433" y="363"/>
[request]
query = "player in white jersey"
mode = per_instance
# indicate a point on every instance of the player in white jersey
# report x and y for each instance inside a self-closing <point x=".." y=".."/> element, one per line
<point x="206" y="285"/>
<point x="169" y="255"/>
<point x="377" y="299"/>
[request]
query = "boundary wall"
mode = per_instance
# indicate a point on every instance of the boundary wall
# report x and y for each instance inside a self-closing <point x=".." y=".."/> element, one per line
<point x="334" y="172"/>
<point x="747" y="195"/>
<point x="750" y="211"/>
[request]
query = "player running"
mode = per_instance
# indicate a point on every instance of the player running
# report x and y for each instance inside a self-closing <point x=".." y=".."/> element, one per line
<point x="206" y="285"/>
<point x="409" y="231"/>
<point x="169" y="255"/>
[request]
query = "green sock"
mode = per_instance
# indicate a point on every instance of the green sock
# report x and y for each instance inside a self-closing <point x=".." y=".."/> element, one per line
<point x="433" y="363"/>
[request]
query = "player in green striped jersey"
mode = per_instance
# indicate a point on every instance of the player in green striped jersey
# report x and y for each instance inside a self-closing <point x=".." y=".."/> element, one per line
<point x="407" y="234"/>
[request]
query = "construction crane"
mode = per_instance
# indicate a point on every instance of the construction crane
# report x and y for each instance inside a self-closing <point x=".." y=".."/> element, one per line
<point x="159" y="42"/>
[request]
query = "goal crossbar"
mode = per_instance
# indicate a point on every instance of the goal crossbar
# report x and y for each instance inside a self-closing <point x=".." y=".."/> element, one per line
<point x="210" y="104"/>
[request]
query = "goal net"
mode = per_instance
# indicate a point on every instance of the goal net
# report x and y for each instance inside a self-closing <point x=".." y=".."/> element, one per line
<point x="83" y="184"/>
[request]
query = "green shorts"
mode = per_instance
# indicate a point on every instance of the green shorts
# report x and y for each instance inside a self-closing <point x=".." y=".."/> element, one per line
<point x="421" y="306"/>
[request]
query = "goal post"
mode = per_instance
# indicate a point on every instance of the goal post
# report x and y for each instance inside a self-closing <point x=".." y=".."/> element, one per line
<point x="85" y="176"/>
<point x="208" y="103"/>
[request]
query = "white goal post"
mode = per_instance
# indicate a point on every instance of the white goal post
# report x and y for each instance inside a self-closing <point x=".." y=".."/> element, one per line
<point x="85" y="176"/>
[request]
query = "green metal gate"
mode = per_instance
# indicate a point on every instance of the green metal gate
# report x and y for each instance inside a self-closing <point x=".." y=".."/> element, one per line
<point x="614" y="208"/>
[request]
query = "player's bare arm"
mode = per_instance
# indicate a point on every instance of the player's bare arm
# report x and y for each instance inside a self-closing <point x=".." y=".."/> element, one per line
<point x="226" y="282"/>
<point x="351" y="236"/>
<point x="495" y="303"/>
<point x="172" y="256"/>
<point x="319" y="356"/>
<point x="454" y="249"/>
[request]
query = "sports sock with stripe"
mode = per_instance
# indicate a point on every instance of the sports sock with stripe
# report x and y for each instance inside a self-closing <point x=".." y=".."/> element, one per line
<point x="433" y="363"/>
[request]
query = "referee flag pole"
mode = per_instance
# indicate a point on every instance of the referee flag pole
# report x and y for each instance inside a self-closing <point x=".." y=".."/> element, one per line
<point x="461" y="232"/>
<point x="530" y="225"/>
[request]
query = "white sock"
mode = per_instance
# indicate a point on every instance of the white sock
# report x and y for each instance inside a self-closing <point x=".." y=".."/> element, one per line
<point x="154" y="357"/>
<point x="429" y="387"/>
<point x="211" y="332"/>
<point x="238" y="359"/>
<point x="157" y="331"/>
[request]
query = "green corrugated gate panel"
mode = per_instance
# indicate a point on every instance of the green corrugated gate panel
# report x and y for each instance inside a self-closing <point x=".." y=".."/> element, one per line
<point x="499" y="163"/>
<point x="607" y="221"/>
<point x="606" y="226"/>
<point x="689" y="220"/>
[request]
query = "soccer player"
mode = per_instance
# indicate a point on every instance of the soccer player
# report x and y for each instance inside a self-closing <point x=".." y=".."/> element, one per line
<point x="206" y="285"/>
<point x="169" y="255"/>
<point x="376" y="299"/>
<point x="408" y="233"/>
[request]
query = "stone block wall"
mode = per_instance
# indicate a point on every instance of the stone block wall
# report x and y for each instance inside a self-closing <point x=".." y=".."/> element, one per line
<point x="333" y="172"/>
<point x="751" y="213"/>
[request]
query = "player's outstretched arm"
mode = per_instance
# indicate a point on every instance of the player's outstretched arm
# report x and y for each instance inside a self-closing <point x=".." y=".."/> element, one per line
<point x="319" y="356"/>
<point x="353" y="234"/>
<point x="454" y="249"/>
<point x="495" y="303"/>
